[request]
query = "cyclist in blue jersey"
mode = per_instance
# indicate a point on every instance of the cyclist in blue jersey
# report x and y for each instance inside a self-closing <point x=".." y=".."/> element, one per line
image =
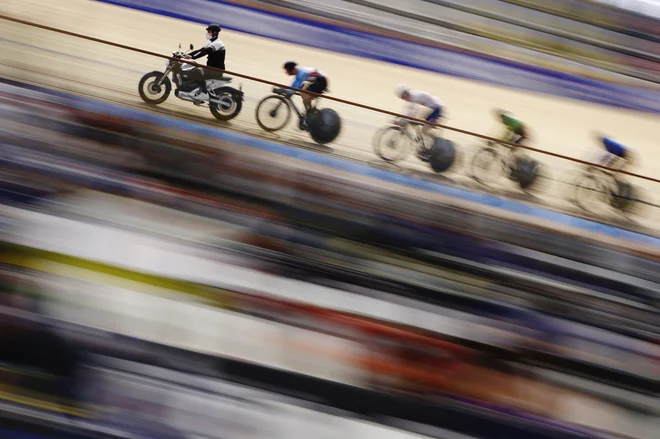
<point x="616" y="155"/>
<point x="306" y="78"/>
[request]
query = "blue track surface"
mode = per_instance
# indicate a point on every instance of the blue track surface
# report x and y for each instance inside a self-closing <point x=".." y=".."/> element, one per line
<point x="355" y="168"/>
<point x="364" y="44"/>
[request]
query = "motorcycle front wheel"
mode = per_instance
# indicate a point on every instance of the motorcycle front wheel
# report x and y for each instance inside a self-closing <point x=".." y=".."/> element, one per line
<point x="230" y="104"/>
<point x="153" y="93"/>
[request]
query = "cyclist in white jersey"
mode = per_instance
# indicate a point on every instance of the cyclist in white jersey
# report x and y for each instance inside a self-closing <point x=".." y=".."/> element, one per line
<point x="420" y="98"/>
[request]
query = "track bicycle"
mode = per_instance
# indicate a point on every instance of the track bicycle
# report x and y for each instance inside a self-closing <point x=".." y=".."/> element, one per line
<point x="393" y="143"/>
<point x="596" y="186"/>
<point x="280" y="103"/>
<point x="496" y="159"/>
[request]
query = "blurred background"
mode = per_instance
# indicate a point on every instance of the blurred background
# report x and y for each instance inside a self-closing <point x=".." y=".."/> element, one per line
<point x="618" y="36"/>
<point x="166" y="276"/>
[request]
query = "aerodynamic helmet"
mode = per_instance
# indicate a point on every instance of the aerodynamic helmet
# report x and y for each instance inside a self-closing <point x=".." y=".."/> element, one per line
<point x="401" y="89"/>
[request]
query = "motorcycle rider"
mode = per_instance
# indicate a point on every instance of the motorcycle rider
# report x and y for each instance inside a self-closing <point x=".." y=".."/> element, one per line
<point x="215" y="51"/>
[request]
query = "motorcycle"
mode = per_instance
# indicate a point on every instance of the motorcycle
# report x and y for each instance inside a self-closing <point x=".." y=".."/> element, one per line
<point x="224" y="101"/>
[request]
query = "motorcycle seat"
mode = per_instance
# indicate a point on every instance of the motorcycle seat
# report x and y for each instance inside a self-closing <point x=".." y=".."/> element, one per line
<point x="224" y="79"/>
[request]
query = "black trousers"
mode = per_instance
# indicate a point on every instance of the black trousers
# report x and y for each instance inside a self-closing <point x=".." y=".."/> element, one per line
<point x="200" y="75"/>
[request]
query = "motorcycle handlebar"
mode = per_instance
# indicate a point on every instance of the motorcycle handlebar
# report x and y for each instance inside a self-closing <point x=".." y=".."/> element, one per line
<point x="181" y="54"/>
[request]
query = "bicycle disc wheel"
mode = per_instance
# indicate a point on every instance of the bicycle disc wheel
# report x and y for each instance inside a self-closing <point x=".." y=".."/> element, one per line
<point x="392" y="144"/>
<point x="486" y="166"/>
<point x="273" y="113"/>
<point x="640" y="205"/>
<point x="628" y="199"/>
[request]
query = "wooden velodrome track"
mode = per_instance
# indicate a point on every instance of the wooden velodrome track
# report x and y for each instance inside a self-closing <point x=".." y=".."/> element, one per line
<point x="560" y="125"/>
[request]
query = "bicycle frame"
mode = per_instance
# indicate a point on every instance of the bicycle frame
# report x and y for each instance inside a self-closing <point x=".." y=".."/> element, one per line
<point x="606" y="180"/>
<point x="507" y="158"/>
<point x="414" y="131"/>
<point x="291" y="104"/>
<point x="417" y="133"/>
<point x="493" y="154"/>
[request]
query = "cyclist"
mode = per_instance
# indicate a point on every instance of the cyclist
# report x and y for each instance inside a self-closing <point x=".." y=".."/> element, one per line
<point x="306" y="78"/>
<point x="616" y="156"/>
<point x="420" y="98"/>
<point x="515" y="129"/>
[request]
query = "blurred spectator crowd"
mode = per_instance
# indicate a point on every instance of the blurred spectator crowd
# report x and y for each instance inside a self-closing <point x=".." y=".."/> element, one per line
<point x="528" y="300"/>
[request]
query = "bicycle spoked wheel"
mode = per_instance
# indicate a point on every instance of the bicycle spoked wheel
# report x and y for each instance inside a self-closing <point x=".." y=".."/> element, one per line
<point x="392" y="144"/>
<point x="590" y="194"/>
<point x="273" y="113"/>
<point x="486" y="166"/>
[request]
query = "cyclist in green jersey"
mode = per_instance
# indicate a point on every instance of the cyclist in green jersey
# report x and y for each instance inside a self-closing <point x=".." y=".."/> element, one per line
<point x="516" y="131"/>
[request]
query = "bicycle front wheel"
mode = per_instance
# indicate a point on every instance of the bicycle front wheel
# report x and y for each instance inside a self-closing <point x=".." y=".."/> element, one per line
<point x="486" y="166"/>
<point x="392" y="144"/>
<point x="273" y="113"/>
<point x="589" y="192"/>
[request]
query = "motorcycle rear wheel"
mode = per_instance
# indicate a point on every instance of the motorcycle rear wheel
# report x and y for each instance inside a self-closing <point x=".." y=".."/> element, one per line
<point x="230" y="106"/>
<point x="149" y="90"/>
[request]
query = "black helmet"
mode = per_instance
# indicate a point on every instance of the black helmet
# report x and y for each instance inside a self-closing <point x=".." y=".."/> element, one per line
<point x="213" y="28"/>
<point x="290" y="65"/>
